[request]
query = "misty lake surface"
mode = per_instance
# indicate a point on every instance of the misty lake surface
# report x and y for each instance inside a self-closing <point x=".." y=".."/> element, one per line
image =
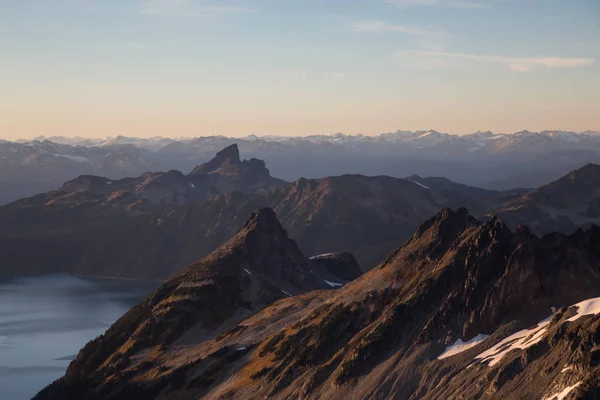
<point x="45" y="321"/>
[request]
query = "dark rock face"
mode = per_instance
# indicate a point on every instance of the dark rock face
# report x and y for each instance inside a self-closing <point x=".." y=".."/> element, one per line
<point x="337" y="266"/>
<point x="395" y="332"/>
<point x="566" y="204"/>
<point x="230" y="155"/>
<point x="154" y="225"/>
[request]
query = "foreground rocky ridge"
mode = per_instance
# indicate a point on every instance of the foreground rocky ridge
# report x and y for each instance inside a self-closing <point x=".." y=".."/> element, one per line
<point x="398" y="331"/>
<point x="258" y="266"/>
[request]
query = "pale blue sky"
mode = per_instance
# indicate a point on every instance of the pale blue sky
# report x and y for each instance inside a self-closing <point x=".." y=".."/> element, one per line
<point x="290" y="67"/>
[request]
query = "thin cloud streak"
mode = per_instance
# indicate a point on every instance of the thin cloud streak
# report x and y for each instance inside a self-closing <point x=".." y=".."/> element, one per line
<point x="443" y="60"/>
<point x="430" y="39"/>
<point x="190" y="8"/>
<point x="374" y="26"/>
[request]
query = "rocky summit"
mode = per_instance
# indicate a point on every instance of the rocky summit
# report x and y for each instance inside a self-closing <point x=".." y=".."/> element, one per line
<point x="462" y="310"/>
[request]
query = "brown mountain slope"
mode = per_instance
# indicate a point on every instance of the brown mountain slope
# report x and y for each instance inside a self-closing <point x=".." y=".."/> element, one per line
<point x="566" y="204"/>
<point x="259" y="265"/>
<point x="397" y="332"/>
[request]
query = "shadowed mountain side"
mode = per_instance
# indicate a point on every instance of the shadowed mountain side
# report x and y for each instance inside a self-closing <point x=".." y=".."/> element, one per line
<point x="566" y="204"/>
<point x="367" y="216"/>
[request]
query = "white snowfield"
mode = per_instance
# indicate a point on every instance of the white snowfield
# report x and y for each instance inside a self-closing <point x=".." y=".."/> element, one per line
<point x="587" y="307"/>
<point x="519" y="340"/>
<point x="214" y="172"/>
<point x="459" y="346"/>
<point x="248" y="272"/>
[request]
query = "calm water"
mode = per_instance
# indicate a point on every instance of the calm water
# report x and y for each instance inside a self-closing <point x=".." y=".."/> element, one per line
<point x="44" y="322"/>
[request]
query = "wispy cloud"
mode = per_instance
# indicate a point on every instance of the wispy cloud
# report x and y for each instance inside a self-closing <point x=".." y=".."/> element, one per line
<point x="445" y="60"/>
<point x="380" y="26"/>
<point x="190" y="8"/>
<point x="444" y="3"/>
<point x="428" y="38"/>
<point x="132" y="44"/>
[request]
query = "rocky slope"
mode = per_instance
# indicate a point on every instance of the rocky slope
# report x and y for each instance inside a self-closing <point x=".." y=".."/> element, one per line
<point x="153" y="226"/>
<point x="27" y="169"/>
<point x="258" y="266"/>
<point x="224" y="173"/>
<point x="92" y="225"/>
<point x="95" y="232"/>
<point x="462" y="310"/>
<point x="566" y="204"/>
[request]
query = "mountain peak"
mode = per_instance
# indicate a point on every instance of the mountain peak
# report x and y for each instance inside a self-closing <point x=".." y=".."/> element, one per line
<point x="589" y="168"/>
<point x="263" y="219"/>
<point x="441" y="230"/>
<point x="588" y="175"/>
<point x="230" y="155"/>
<point x="232" y="152"/>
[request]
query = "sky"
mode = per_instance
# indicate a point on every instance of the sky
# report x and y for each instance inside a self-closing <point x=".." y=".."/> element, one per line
<point x="100" y="68"/>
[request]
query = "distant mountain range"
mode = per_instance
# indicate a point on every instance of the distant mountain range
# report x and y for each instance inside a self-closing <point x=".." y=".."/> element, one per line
<point x="152" y="226"/>
<point x="462" y="310"/>
<point x="483" y="159"/>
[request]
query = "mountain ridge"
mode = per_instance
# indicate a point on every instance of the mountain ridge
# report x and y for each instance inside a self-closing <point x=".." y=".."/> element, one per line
<point x="368" y="216"/>
<point x="495" y="161"/>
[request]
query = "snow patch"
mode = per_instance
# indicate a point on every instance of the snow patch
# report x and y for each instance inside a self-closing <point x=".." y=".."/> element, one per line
<point x="321" y="256"/>
<point x="563" y="393"/>
<point x="587" y="307"/>
<point x="520" y="340"/>
<point x="241" y="348"/>
<point x="284" y="292"/>
<point x="420" y="184"/>
<point x="214" y="172"/>
<point x="333" y="284"/>
<point x="565" y="369"/>
<point x="192" y="185"/>
<point x="248" y="272"/>
<point x="459" y="346"/>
